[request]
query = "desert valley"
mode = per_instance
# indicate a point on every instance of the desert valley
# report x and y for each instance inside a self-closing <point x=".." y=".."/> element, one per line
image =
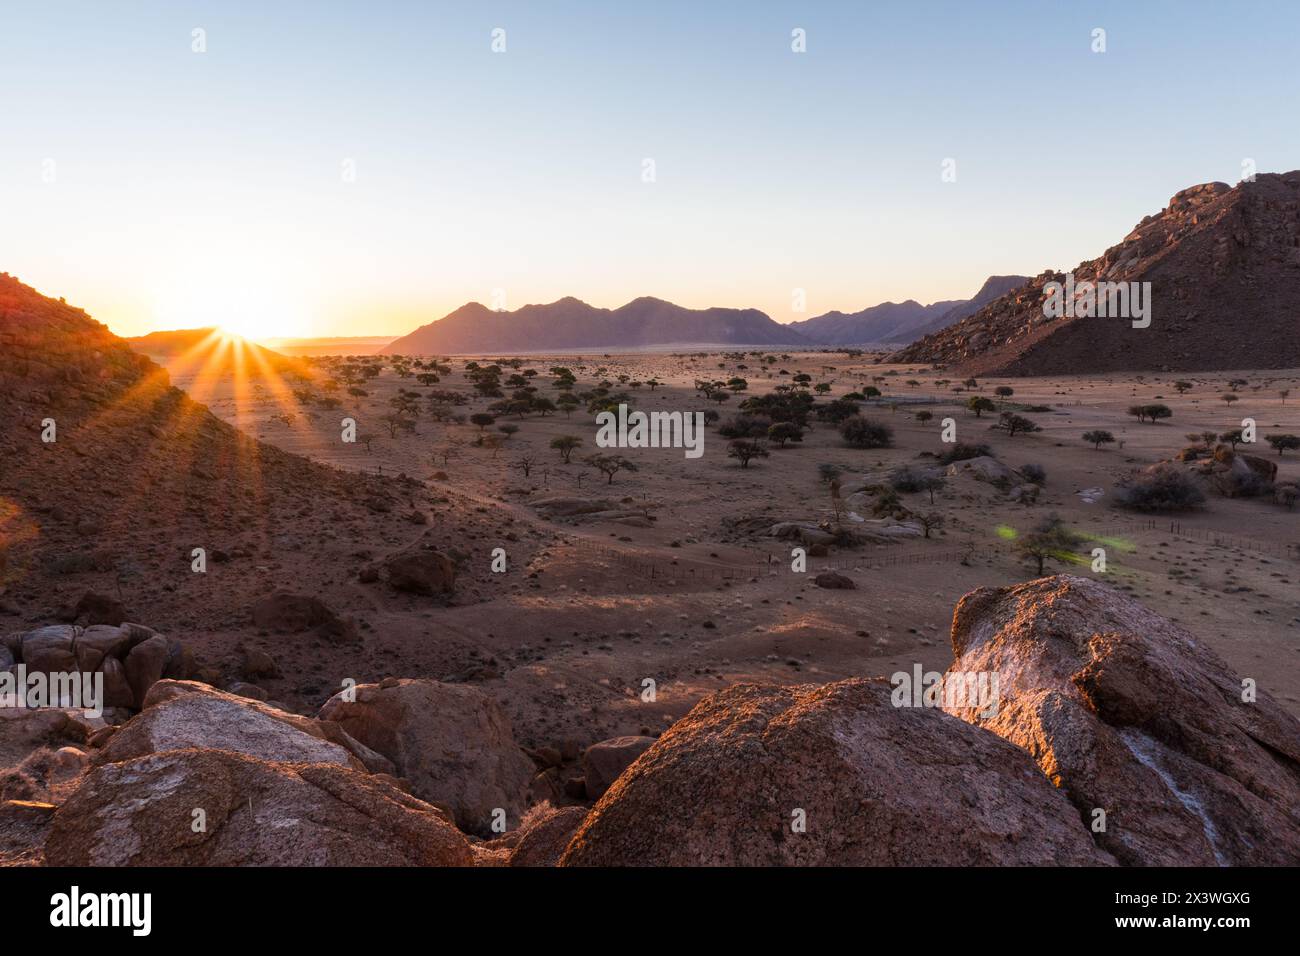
<point x="427" y="573"/>
<point x="477" y="463"/>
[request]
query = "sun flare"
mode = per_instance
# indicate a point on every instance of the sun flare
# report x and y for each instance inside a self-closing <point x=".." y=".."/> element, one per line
<point x="253" y="311"/>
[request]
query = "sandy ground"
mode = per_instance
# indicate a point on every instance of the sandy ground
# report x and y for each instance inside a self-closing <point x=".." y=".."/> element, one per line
<point x="569" y="634"/>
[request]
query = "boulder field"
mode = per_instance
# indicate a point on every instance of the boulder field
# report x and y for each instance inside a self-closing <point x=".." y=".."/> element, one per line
<point x="1115" y="739"/>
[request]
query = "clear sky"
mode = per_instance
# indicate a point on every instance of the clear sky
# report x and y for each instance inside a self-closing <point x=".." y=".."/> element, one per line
<point x="163" y="188"/>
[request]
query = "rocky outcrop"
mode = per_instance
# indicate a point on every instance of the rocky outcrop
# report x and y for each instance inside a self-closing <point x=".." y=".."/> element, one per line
<point x="218" y="808"/>
<point x="1129" y="714"/>
<point x="981" y="468"/>
<point x="835" y="775"/>
<point x="130" y="657"/>
<point x="453" y="743"/>
<point x="1214" y="251"/>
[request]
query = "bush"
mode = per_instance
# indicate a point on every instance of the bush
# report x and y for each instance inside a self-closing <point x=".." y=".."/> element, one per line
<point x="745" y="426"/>
<point x="837" y="411"/>
<point x="1035" y="473"/>
<point x="780" y="406"/>
<point x="859" y="432"/>
<point x="1167" y="488"/>
<point x="828" y="472"/>
<point x="1286" y="494"/>
<point x="782" y="432"/>
<point x="907" y="480"/>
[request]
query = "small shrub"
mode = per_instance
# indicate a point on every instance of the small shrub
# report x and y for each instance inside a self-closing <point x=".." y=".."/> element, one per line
<point x="1167" y="488"/>
<point x="859" y="432"/>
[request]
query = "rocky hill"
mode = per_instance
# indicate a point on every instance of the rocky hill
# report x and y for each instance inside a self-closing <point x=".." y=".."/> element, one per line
<point x="573" y="324"/>
<point x="1223" y="265"/>
<point x="137" y="475"/>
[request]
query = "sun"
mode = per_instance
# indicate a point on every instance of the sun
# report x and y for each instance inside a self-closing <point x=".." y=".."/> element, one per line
<point x="249" y="312"/>
<point x="251" y="329"/>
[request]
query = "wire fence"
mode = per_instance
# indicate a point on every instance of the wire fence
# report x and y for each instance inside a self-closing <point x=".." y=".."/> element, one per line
<point x="1224" y="540"/>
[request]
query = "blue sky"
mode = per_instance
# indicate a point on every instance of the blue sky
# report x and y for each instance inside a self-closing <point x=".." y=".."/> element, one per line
<point x="191" y="188"/>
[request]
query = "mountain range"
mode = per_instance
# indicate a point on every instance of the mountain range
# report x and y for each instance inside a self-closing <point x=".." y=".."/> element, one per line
<point x="573" y="324"/>
<point x="1223" y="265"/>
<point x="648" y="322"/>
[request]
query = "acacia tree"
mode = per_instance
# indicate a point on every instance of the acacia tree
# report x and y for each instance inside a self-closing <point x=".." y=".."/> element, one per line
<point x="610" y="465"/>
<point x="1051" y="540"/>
<point x="1283" y="442"/>
<point x="1012" y="423"/>
<point x="565" y="445"/>
<point x="1098" y="437"/>
<point x="744" y="450"/>
<point x="930" y="521"/>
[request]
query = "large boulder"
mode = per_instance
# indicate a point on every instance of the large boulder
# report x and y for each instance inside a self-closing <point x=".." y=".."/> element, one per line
<point x="982" y="468"/>
<point x="50" y="649"/>
<point x="288" y="613"/>
<point x="834" y="581"/>
<point x="144" y="665"/>
<point x="451" y="742"/>
<point x="801" y="531"/>
<point x="146" y="812"/>
<point x="734" y="781"/>
<point x="421" y="572"/>
<point x="100" y="641"/>
<point x="179" y="714"/>
<point x="1131" y="715"/>
<point x="605" y="761"/>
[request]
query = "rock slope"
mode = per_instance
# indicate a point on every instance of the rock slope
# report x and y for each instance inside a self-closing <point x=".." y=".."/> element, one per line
<point x="1224" y="268"/>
